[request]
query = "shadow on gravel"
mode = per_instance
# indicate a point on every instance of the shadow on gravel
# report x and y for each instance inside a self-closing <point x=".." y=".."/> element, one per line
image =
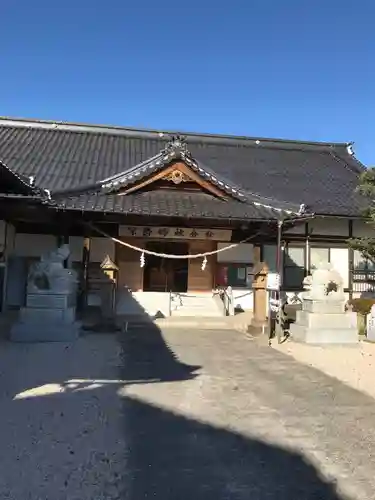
<point x="92" y="440"/>
<point x="160" y="455"/>
<point x="148" y="358"/>
<point x="171" y="457"/>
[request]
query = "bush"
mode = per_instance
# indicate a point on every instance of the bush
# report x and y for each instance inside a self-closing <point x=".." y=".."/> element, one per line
<point x="362" y="306"/>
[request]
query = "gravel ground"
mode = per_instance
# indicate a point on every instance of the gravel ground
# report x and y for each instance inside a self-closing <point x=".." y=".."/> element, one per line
<point x="61" y="429"/>
<point x="353" y="365"/>
<point x="203" y="415"/>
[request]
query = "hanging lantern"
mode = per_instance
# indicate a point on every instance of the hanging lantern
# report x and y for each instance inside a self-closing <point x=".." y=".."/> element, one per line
<point x="204" y="263"/>
<point x="142" y="259"/>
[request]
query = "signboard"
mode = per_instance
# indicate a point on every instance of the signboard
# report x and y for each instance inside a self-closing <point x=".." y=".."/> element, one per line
<point x="274" y="304"/>
<point x="273" y="287"/>
<point x="273" y="281"/>
<point x="176" y="233"/>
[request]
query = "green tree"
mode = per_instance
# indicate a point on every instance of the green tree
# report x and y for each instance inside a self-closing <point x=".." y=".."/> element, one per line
<point x="366" y="187"/>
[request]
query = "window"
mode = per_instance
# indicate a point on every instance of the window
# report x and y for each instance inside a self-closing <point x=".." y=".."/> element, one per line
<point x="270" y="257"/>
<point x="361" y="263"/>
<point x="363" y="274"/>
<point x="294" y="266"/>
<point x="317" y="256"/>
<point x="235" y="275"/>
<point x="294" y="261"/>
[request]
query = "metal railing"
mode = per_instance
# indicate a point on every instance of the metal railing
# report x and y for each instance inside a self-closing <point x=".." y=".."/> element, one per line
<point x="363" y="281"/>
<point x="174" y="297"/>
<point x="226" y="295"/>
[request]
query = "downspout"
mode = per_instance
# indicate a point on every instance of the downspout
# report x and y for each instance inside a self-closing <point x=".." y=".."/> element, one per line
<point x="279" y="269"/>
<point x="274" y="295"/>
<point x="279" y="255"/>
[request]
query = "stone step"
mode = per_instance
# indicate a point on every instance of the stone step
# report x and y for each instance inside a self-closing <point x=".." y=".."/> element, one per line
<point x="239" y="323"/>
<point x="196" y="312"/>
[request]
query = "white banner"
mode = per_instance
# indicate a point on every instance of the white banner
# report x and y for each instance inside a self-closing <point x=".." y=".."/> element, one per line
<point x="179" y="233"/>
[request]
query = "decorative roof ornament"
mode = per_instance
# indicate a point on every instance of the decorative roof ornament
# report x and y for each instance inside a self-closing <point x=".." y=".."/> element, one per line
<point x="302" y="209"/>
<point x="177" y="145"/>
<point x="176" y="177"/>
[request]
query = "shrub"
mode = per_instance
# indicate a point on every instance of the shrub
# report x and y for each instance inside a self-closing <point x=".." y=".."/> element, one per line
<point x="362" y="306"/>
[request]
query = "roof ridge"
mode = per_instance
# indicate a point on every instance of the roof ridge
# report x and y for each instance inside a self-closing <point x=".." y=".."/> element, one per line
<point x="20" y="178"/>
<point x="159" y="134"/>
<point x="351" y="163"/>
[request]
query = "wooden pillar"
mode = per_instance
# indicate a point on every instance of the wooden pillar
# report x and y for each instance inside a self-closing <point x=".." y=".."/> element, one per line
<point x="85" y="269"/>
<point x="307" y="250"/>
<point x="259" y="320"/>
<point x="350" y="261"/>
<point x="63" y="239"/>
<point x="9" y="243"/>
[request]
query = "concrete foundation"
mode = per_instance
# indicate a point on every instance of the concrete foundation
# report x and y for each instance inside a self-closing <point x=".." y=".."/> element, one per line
<point x="314" y="325"/>
<point x="47" y="317"/>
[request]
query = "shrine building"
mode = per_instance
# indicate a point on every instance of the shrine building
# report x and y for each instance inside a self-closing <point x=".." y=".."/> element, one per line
<point x="221" y="200"/>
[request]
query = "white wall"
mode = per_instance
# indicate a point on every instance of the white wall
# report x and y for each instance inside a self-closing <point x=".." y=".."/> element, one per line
<point x="7" y="236"/>
<point x="329" y="227"/>
<point x="325" y="226"/>
<point x="76" y="248"/>
<point x="100" y="247"/>
<point x="299" y="228"/>
<point x="34" y="245"/>
<point x="340" y="262"/>
<point x="243" y="298"/>
<point x="242" y="253"/>
<point x="10" y="239"/>
<point x="362" y="229"/>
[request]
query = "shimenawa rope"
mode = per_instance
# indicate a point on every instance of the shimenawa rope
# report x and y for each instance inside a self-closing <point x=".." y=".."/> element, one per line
<point x="171" y="256"/>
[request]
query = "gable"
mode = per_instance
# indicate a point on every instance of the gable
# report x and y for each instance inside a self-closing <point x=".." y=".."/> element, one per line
<point x="173" y="171"/>
<point x="179" y="176"/>
<point x="175" y="166"/>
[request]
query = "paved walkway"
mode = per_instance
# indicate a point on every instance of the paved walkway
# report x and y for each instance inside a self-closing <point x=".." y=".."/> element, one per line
<point x="183" y="415"/>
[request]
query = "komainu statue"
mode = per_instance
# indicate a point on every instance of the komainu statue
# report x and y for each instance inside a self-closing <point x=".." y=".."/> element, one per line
<point x="325" y="283"/>
<point x="49" y="274"/>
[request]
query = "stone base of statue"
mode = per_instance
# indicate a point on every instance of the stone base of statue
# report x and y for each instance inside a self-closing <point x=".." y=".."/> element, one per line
<point x="323" y="319"/>
<point x="47" y="317"/>
<point x="324" y="322"/>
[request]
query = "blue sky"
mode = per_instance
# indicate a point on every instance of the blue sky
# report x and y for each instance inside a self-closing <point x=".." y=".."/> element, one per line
<point x="269" y="68"/>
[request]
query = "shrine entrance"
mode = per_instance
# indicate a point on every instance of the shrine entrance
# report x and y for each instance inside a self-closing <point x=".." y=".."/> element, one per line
<point x="164" y="275"/>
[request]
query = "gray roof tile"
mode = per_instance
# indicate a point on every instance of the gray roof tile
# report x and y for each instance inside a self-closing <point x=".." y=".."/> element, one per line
<point x="65" y="156"/>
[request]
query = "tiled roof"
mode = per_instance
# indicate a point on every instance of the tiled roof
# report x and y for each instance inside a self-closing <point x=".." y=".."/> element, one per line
<point x="16" y="184"/>
<point x="176" y="150"/>
<point x="169" y="203"/>
<point x="277" y="173"/>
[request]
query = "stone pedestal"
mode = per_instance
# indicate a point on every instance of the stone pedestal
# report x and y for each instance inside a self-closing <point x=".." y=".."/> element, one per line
<point x="47" y="317"/>
<point x="324" y="322"/>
